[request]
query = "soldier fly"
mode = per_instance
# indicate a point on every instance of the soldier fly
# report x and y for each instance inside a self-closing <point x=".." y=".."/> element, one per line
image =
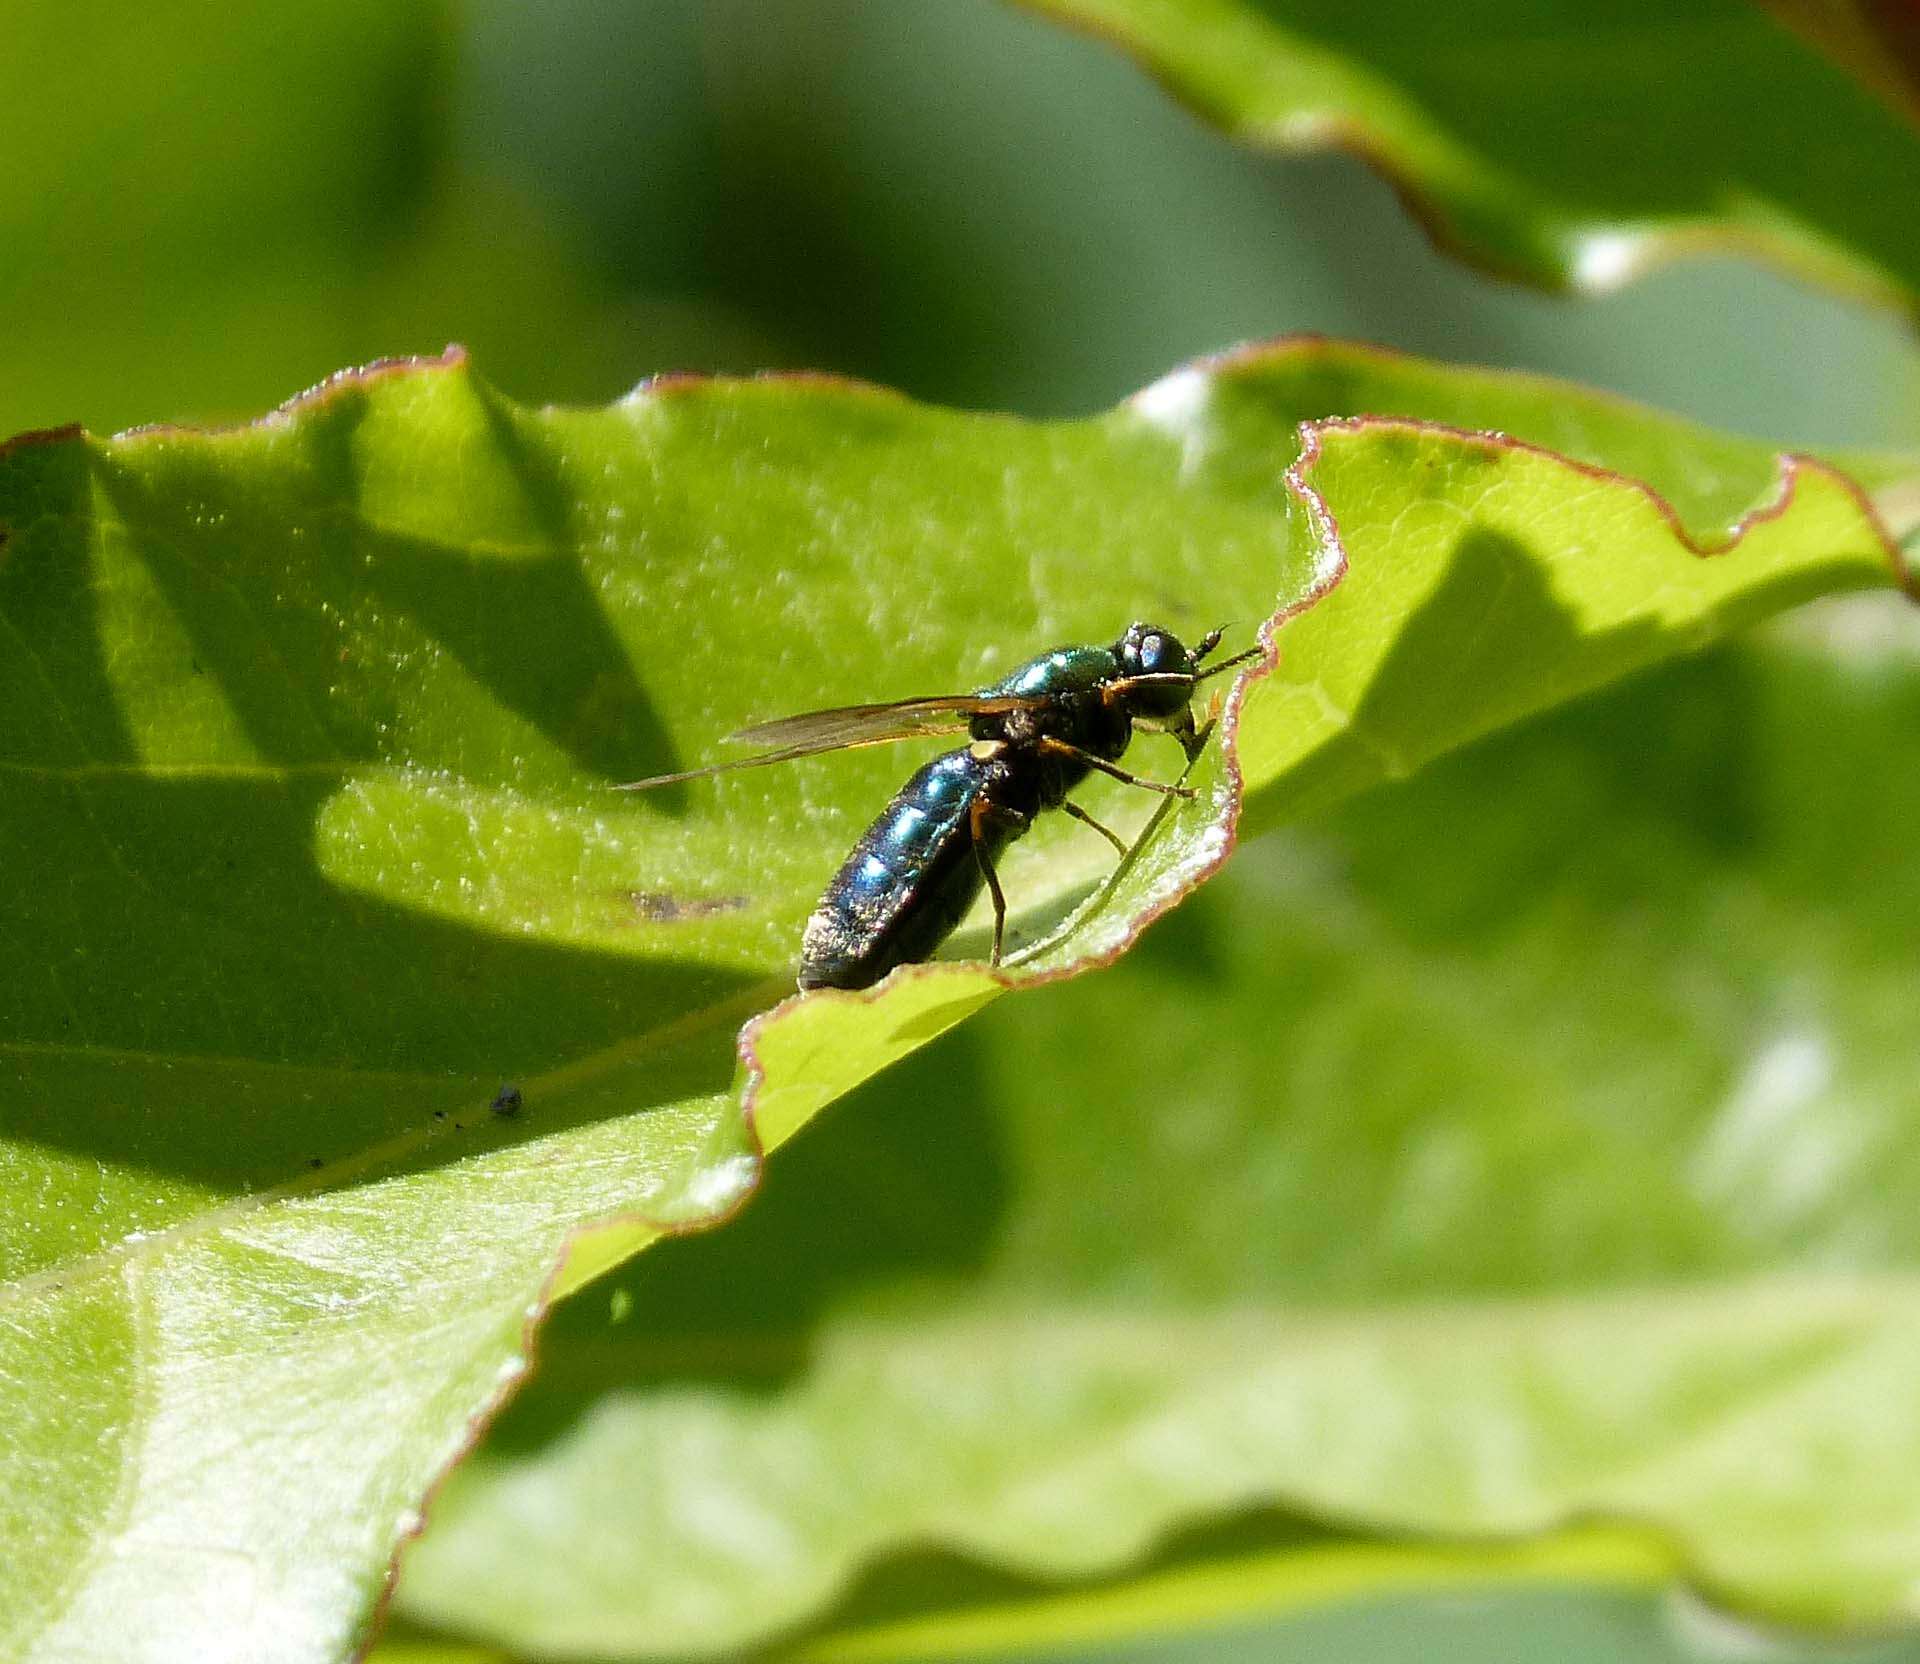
<point x="1034" y="736"/>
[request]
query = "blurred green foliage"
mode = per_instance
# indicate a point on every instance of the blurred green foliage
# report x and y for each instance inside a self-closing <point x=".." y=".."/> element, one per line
<point x="207" y="206"/>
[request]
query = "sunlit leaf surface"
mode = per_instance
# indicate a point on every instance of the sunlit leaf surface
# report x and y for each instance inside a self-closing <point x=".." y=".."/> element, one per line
<point x="1535" y="1142"/>
<point x="311" y="851"/>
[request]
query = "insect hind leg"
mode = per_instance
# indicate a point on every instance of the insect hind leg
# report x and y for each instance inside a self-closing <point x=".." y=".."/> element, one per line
<point x="978" y="818"/>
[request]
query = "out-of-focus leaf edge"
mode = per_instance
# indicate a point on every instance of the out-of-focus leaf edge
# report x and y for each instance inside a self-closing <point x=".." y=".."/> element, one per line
<point x="1247" y="1589"/>
<point x="1638" y="253"/>
<point x="589" y="1250"/>
<point x="1866" y="41"/>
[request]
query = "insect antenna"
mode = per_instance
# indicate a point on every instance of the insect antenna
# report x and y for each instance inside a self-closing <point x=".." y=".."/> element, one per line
<point x="1227" y="664"/>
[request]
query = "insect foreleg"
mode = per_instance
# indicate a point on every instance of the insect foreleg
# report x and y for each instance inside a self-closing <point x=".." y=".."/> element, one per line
<point x="1060" y="748"/>
<point x="1080" y="814"/>
<point x="1193" y="740"/>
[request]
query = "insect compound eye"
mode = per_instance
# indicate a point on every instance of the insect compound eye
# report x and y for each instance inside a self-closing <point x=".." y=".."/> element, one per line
<point x="1147" y="650"/>
<point x="1133" y="647"/>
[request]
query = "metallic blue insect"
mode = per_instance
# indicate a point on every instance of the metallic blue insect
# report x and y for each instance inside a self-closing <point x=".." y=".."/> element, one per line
<point x="1034" y="736"/>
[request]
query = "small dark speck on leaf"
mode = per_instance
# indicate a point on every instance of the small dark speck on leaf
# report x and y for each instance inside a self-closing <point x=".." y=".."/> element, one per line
<point x="439" y="1114"/>
<point x="507" y="1101"/>
<point x="315" y="1161"/>
<point x="658" y="907"/>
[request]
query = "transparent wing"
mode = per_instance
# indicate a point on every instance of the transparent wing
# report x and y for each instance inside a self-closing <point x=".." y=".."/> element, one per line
<point x="846" y="726"/>
<point x="898" y="719"/>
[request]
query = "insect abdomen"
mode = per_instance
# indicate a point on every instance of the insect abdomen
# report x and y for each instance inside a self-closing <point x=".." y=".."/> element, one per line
<point x="909" y="880"/>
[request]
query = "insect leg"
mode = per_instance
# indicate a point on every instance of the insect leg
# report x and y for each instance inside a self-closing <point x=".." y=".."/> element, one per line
<point x="1060" y="748"/>
<point x="1080" y="814"/>
<point x="1193" y="740"/>
<point x="977" y="817"/>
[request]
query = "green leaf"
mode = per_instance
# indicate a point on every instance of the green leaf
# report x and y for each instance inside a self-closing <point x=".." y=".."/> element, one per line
<point x="131" y="217"/>
<point x="311" y="850"/>
<point x="1562" y="144"/>
<point x="1871" y="41"/>
<point x="1534" y="1142"/>
<point x="1430" y="1603"/>
<point x="155" y="267"/>
<point x="1200" y="1593"/>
